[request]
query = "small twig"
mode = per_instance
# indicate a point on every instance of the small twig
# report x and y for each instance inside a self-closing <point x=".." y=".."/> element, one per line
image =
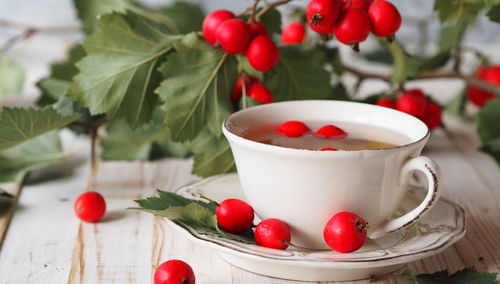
<point x="470" y="80"/>
<point x="271" y="6"/>
<point x="251" y="19"/>
<point x="93" y="128"/>
<point x="248" y="9"/>
<point x="11" y="42"/>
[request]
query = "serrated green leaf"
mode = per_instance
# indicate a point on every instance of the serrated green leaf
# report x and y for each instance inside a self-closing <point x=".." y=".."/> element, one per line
<point x="39" y="152"/>
<point x="196" y="91"/>
<point x="118" y="74"/>
<point x="405" y="66"/>
<point x="212" y="155"/>
<point x="11" y="77"/>
<point x="124" y="143"/>
<point x="246" y="68"/>
<point x="18" y="125"/>
<point x="89" y="11"/>
<point x="187" y="17"/>
<point x="464" y="276"/>
<point x="494" y="13"/>
<point x="194" y="215"/>
<point x="299" y="75"/>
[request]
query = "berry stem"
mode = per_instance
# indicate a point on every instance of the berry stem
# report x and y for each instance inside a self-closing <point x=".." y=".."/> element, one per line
<point x="269" y="7"/>
<point x="251" y="19"/>
<point x="209" y="200"/>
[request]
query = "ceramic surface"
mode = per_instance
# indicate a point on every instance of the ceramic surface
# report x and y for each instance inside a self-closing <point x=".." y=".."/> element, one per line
<point x="443" y="226"/>
<point x="305" y="188"/>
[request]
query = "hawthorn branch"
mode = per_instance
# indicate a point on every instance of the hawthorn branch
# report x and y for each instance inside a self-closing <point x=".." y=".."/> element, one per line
<point x="93" y="128"/>
<point x="251" y="19"/>
<point x="271" y="6"/>
<point x="470" y="80"/>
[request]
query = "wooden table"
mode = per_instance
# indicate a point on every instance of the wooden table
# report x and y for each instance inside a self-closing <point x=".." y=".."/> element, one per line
<point x="46" y="243"/>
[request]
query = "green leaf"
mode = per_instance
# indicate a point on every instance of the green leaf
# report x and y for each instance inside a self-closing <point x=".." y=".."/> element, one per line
<point x="464" y="276"/>
<point x="436" y="61"/>
<point x="272" y="21"/>
<point x="188" y="17"/>
<point x="124" y="143"/>
<point x="118" y="75"/>
<point x="196" y="91"/>
<point x="457" y="104"/>
<point x="488" y="128"/>
<point x="42" y="151"/>
<point x="89" y="11"/>
<point x="405" y="66"/>
<point x="191" y="214"/>
<point x="299" y="75"/>
<point x="332" y="56"/>
<point x="494" y="13"/>
<point x="18" y="125"/>
<point x="11" y="77"/>
<point x="212" y="155"/>
<point x="379" y="55"/>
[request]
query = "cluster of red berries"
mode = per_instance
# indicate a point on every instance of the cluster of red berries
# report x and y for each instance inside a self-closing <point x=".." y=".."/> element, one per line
<point x="490" y="74"/>
<point x="416" y="103"/>
<point x="253" y="89"/>
<point x="344" y="232"/>
<point x="296" y="129"/>
<point x="352" y="20"/>
<point x="221" y="27"/>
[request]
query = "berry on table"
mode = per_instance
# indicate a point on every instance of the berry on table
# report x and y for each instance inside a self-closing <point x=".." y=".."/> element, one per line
<point x="345" y="232"/>
<point x="234" y="216"/>
<point x="212" y="22"/>
<point x="262" y="53"/>
<point x="293" y="33"/>
<point x="174" y="272"/>
<point x="233" y="36"/>
<point x="330" y="132"/>
<point x="384" y="18"/>
<point x="90" y="206"/>
<point x="260" y="93"/>
<point x="386" y="102"/>
<point x="273" y="233"/>
<point x="412" y="103"/>
<point x="352" y="27"/>
<point x="292" y="128"/>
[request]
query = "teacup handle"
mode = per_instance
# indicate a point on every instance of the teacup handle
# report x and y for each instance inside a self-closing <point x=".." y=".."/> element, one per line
<point x="430" y="169"/>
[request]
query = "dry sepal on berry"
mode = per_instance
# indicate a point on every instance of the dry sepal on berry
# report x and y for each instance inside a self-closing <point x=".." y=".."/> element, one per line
<point x="322" y="13"/>
<point x="273" y="233"/>
<point x="345" y="232"/>
<point x="90" y="206"/>
<point x="174" y="272"/>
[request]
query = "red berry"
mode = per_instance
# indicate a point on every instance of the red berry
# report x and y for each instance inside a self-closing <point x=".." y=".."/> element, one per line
<point x="260" y="93"/>
<point x="322" y="12"/>
<point x="433" y="115"/>
<point x="90" y="206"/>
<point x="384" y="17"/>
<point x="320" y="29"/>
<point x="238" y="86"/>
<point x="233" y="35"/>
<point x="174" y="272"/>
<point x="330" y="132"/>
<point x="352" y="27"/>
<point x="212" y="22"/>
<point x="262" y="53"/>
<point x="386" y="102"/>
<point x="491" y="75"/>
<point x="361" y="4"/>
<point x="234" y="216"/>
<point x="412" y="104"/>
<point x="417" y="92"/>
<point x="257" y="29"/>
<point x="345" y="232"/>
<point x="273" y="233"/>
<point x="292" y="128"/>
<point x="293" y="33"/>
<point x="328" y="149"/>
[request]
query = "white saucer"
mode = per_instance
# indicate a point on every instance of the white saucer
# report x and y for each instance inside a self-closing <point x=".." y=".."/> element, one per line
<point x="439" y="229"/>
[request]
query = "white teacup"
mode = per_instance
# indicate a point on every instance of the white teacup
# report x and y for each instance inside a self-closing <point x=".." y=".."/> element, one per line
<point x="305" y="188"/>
